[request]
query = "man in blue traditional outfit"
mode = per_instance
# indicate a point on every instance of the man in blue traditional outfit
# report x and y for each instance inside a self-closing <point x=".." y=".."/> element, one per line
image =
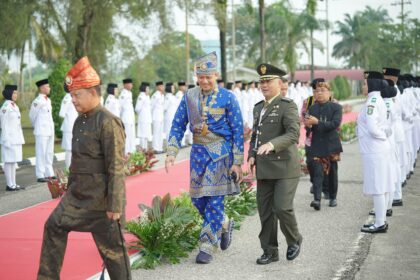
<point x="216" y="155"/>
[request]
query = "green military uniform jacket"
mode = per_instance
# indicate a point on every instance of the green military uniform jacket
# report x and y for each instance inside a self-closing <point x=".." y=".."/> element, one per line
<point x="97" y="178"/>
<point x="280" y="126"/>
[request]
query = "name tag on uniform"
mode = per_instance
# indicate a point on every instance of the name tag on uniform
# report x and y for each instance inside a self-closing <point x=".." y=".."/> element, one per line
<point x="273" y="114"/>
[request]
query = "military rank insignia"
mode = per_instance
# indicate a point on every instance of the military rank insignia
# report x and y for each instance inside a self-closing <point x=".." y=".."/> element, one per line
<point x="370" y="109"/>
<point x="263" y="69"/>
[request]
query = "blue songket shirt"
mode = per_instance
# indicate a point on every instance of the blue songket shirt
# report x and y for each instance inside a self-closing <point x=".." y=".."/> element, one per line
<point x="213" y="154"/>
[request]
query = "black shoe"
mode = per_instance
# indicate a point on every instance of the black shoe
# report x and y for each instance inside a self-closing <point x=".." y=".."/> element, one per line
<point x="404" y="183"/>
<point x="226" y="238"/>
<point x="388" y="212"/>
<point x="316" y="204"/>
<point x="374" y="229"/>
<point x="397" y="202"/>
<point x="326" y="195"/>
<point x="52" y="177"/>
<point x="294" y="250"/>
<point x="10" y="189"/>
<point x="369" y="225"/>
<point x="42" y="180"/>
<point x="19" y="188"/>
<point x="203" y="258"/>
<point x="311" y="190"/>
<point x="333" y="202"/>
<point x="408" y="176"/>
<point x="268" y="257"/>
<point x="411" y="173"/>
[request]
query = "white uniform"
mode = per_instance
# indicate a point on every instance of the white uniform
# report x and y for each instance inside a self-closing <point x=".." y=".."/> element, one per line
<point x="373" y="131"/>
<point x="245" y="108"/>
<point x="242" y="101"/>
<point x="69" y="114"/>
<point x="40" y="115"/>
<point x="374" y="145"/>
<point x="112" y="104"/>
<point x="144" y="123"/>
<point x="400" y="143"/>
<point x="254" y="96"/>
<point x="188" y="136"/>
<point x="416" y="124"/>
<point x="171" y="105"/>
<point x="408" y="123"/>
<point x="394" y="162"/>
<point x="129" y="120"/>
<point x="11" y="140"/>
<point x="158" y="110"/>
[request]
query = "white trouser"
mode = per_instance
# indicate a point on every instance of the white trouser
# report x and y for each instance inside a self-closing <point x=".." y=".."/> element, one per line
<point x="379" y="204"/>
<point x="130" y="138"/>
<point x="44" y="152"/>
<point x="9" y="169"/>
<point x="402" y="153"/>
<point x="409" y="142"/>
<point x="68" y="158"/>
<point x="157" y="136"/>
<point x="144" y="143"/>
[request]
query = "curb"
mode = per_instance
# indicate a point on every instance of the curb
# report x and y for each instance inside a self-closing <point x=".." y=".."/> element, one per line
<point x="32" y="160"/>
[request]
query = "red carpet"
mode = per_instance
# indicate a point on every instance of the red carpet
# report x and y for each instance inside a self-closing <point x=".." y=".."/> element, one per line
<point x="21" y="232"/>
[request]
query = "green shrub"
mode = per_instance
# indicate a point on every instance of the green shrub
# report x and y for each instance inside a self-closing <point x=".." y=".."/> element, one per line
<point x="166" y="230"/>
<point x="340" y="87"/>
<point x="56" y="81"/>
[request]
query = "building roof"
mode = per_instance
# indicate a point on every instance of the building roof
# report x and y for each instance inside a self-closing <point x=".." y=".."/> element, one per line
<point x="351" y="74"/>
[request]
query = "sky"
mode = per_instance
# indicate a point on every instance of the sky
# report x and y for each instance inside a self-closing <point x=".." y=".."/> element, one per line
<point x="337" y="10"/>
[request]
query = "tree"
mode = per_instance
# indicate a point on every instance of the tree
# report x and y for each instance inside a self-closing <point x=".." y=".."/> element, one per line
<point x="359" y="34"/>
<point x="220" y="12"/>
<point x="282" y="44"/>
<point x="56" y="82"/>
<point x="165" y="60"/>
<point x="311" y="10"/>
<point x="261" y="12"/>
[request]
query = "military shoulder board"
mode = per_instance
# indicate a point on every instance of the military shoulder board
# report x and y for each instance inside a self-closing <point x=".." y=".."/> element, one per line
<point x="286" y="99"/>
<point x="262" y="101"/>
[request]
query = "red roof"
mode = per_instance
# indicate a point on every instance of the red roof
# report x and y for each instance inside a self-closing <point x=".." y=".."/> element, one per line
<point x="351" y="74"/>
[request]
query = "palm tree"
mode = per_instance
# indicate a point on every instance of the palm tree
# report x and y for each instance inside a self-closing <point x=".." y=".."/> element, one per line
<point x="220" y="12"/>
<point x="261" y="10"/>
<point x="359" y="36"/>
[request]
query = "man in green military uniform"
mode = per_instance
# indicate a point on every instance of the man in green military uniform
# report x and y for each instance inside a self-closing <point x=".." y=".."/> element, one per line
<point x="273" y="153"/>
<point x="95" y="200"/>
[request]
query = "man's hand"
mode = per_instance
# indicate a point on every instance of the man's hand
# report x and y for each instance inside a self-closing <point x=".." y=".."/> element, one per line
<point x="251" y="165"/>
<point x="170" y="161"/>
<point x="113" y="216"/>
<point x="265" y="149"/>
<point x="310" y="121"/>
<point x="238" y="170"/>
